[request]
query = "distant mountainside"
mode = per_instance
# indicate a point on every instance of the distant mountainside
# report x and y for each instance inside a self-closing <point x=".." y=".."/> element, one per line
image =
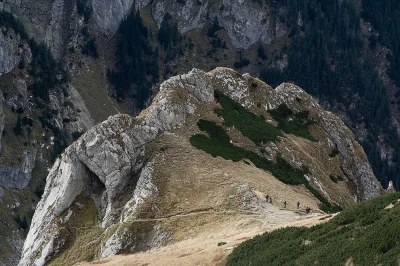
<point x="364" y="234"/>
<point x="68" y="65"/>
<point x="207" y="145"/>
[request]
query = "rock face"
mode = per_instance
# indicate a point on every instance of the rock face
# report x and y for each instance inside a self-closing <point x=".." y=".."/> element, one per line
<point x="47" y="20"/>
<point x="18" y="176"/>
<point x="117" y="157"/>
<point x="245" y="22"/>
<point x="56" y="21"/>
<point x="190" y="15"/>
<point x="12" y="50"/>
<point x="109" y="14"/>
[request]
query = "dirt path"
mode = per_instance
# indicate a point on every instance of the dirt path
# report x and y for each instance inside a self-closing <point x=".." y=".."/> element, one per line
<point x="217" y="213"/>
<point x="204" y="250"/>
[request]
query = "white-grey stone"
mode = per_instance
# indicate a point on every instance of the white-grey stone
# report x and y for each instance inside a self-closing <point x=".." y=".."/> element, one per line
<point x="18" y="176"/>
<point x="109" y="14"/>
<point x="112" y="151"/>
<point x="46" y="20"/>
<point x="12" y="50"/>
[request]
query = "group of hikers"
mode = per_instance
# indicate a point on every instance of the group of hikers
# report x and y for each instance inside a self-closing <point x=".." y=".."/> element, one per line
<point x="268" y="198"/>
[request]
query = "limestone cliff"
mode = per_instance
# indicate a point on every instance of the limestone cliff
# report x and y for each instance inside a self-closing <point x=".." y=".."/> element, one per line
<point x="57" y="23"/>
<point x="51" y="21"/>
<point x="139" y="179"/>
<point x="18" y="176"/>
<point x="245" y="22"/>
<point x="12" y="50"/>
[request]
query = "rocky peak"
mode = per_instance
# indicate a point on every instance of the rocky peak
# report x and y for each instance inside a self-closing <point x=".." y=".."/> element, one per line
<point x="123" y="166"/>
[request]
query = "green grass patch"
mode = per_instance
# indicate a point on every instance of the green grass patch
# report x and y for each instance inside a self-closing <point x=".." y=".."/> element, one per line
<point x="81" y="233"/>
<point x="325" y="205"/>
<point x="293" y="123"/>
<point x="7" y="20"/>
<point x="99" y="103"/>
<point x="336" y="179"/>
<point x="217" y="143"/>
<point x="249" y="124"/>
<point x="367" y="232"/>
<point x="254" y="126"/>
<point x="334" y="152"/>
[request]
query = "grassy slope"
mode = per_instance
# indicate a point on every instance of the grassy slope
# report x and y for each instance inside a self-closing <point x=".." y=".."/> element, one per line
<point x="82" y="234"/>
<point x="254" y="126"/>
<point x="92" y="88"/>
<point x="366" y="234"/>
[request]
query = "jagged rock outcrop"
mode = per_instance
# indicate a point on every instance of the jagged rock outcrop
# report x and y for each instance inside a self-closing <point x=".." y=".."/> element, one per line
<point x="109" y="14"/>
<point x="12" y="50"/>
<point x="119" y="154"/>
<point x="18" y="176"/>
<point x="51" y="21"/>
<point x="390" y="188"/>
<point x="189" y="15"/>
<point x="245" y="22"/>
<point x="56" y="21"/>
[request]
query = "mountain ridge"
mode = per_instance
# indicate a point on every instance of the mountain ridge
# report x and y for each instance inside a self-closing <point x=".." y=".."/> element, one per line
<point x="121" y="153"/>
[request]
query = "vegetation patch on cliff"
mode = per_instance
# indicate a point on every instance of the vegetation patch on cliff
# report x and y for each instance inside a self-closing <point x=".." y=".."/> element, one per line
<point x="7" y="20"/>
<point x="254" y="126"/>
<point x="217" y="143"/>
<point x="250" y="124"/>
<point x="81" y="233"/>
<point x="366" y="234"/>
<point x="292" y="123"/>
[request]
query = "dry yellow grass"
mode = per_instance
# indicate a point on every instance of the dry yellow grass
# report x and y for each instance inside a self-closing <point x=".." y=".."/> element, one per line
<point x="203" y="249"/>
<point x="92" y="87"/>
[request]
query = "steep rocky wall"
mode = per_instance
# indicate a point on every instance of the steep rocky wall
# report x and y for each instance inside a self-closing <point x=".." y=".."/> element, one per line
<point x="47" y="20"/>
<point x="56" y="21"/>
<point x="190" y="15"/>
<point x="12" y="50"/>
<point x="112" y="151"/>
<point x="109" y="14"/>
<point x="246" y="22"/>
<point x="18" y="176"/>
